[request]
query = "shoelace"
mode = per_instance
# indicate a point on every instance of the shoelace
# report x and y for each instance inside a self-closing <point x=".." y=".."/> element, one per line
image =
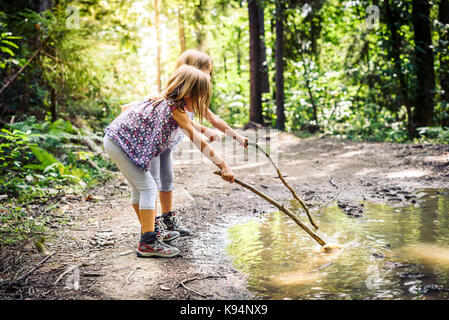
<point x="174" y="220"/>
<point x="159" y="242"/>
<point x="161" y="224"/>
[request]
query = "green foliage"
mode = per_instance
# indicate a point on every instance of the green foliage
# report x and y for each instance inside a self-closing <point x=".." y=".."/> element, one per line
<point x="38" y="161"/>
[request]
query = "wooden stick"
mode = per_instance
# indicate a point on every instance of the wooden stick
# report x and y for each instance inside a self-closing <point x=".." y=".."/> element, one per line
<point x="306" y="209"/>
<point x="281" y="208"/>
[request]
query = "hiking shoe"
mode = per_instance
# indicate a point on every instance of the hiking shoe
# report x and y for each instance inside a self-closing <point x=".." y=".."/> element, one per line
<point x="150" y="245"/>
<point x="172" y="223"/>
<point x="166" y="235"/>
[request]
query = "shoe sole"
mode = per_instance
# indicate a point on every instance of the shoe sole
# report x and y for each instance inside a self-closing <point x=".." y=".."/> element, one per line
<point x="155" y="254"/>
<point x="183" y="234"/>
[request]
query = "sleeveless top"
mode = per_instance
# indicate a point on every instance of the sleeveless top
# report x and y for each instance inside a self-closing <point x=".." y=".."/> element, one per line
<point x="145" y="130"/>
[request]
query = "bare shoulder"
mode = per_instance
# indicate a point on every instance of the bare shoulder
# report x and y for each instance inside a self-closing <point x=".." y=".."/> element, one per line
<point x="182" y="118"/>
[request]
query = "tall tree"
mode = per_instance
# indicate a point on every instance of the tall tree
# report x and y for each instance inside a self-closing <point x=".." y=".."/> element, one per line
<point x="424" y="63"/>
<point x="444" y="52"/>
<point x="394" y="49"/>
<point x="182" y="36"/>
<point x="199" y="23"/>
<point x="279" y="62"/>
<point x="255" y="109"/>
<point x="265" y="85"/>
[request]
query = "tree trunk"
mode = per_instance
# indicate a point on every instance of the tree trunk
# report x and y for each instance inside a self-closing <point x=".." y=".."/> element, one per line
<point x="199" y="24"/>
<point x="158" y="46"/>
<point x="424" y="64"/>
<point x="280" y="113"/>
<point x="264" y="85"/>
<point x="444" y="55"/>
<point x="395" y="52"/>
<point x="255" y="108"/>
<point x="44" y="5"/>
<point x="315" y="28"/>
<point x="182" y="36"/>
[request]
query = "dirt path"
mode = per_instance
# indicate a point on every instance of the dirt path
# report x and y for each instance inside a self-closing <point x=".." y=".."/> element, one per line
<point x="99" y="239"/>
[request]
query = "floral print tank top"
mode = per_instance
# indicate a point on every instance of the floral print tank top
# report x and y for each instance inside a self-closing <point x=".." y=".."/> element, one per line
<point x="145" y="130"/>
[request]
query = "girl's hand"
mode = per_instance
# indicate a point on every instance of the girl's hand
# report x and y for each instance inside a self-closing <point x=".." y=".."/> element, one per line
<point x="242" y="140"/>
<point x="227" y="174"/>
<point x="213" y="135"/>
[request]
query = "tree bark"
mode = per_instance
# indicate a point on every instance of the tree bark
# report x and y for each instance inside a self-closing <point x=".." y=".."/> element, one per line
<point x="255" y="109"/>
<point x="182" y="36"/>
<point x="424" y="64"/>
<point x="264" y="85"/>
<point x="279" y="57"/>
<point x="444" y="53"/>
<point x="199" y="24"/>
<point x="158" y="46"/>
<point x="395" y="52"/>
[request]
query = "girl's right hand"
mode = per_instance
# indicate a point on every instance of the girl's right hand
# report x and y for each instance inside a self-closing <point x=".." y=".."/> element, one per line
<point x="227" y="174"/>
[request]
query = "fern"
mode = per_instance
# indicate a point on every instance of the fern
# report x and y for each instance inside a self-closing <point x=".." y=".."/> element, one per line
<point x="45" y="158"/>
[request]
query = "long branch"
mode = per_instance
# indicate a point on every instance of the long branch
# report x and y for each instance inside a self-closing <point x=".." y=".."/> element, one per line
<point x="306" y="209"/>
<point x="23" y="68"/>
<point x="281" y="208"/>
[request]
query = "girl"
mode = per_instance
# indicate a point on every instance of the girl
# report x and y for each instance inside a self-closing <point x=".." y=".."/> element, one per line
<point x="161" y="166"/>
<point x="145" y="131"/>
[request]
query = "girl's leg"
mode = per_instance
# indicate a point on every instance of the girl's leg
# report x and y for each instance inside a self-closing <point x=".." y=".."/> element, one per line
<point x="142" y="184"/>
<point x="155" y="173"/>
<point x="166" y="194"/>
<point x="166" y="181"/>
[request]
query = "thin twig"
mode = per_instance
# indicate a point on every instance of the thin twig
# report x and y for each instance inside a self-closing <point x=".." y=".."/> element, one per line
<point x="183" y="282"/>
<point x="303" y="205"/>
<point x="37" y="266"/>
<point x="281" y="208"/>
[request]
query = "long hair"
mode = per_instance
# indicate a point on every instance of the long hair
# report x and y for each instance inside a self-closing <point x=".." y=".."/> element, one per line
<point x="197" y="59"/>
<point x="189" y="82"/>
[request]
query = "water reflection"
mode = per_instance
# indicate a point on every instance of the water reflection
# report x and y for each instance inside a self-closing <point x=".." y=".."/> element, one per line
<point x="390" y="253"/>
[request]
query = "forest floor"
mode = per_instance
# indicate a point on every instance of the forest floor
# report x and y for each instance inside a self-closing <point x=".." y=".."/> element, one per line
<point x="98" y="239"/>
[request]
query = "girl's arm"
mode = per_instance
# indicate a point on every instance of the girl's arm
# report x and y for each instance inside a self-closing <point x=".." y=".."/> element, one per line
<point x="185" y="124"/>
<point x="225" y="128"/>
<point x="211" y="134"/>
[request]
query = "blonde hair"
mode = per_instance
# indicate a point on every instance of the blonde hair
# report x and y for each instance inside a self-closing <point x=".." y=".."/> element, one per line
<point x="189" y="82"/>
<point x="197" y="59"/>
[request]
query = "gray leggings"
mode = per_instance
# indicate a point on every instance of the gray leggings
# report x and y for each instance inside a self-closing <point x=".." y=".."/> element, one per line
<point x="144" y="185"/>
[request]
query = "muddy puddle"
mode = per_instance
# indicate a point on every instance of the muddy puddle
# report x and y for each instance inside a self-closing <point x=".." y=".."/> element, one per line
<point x="388" y="253"/>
